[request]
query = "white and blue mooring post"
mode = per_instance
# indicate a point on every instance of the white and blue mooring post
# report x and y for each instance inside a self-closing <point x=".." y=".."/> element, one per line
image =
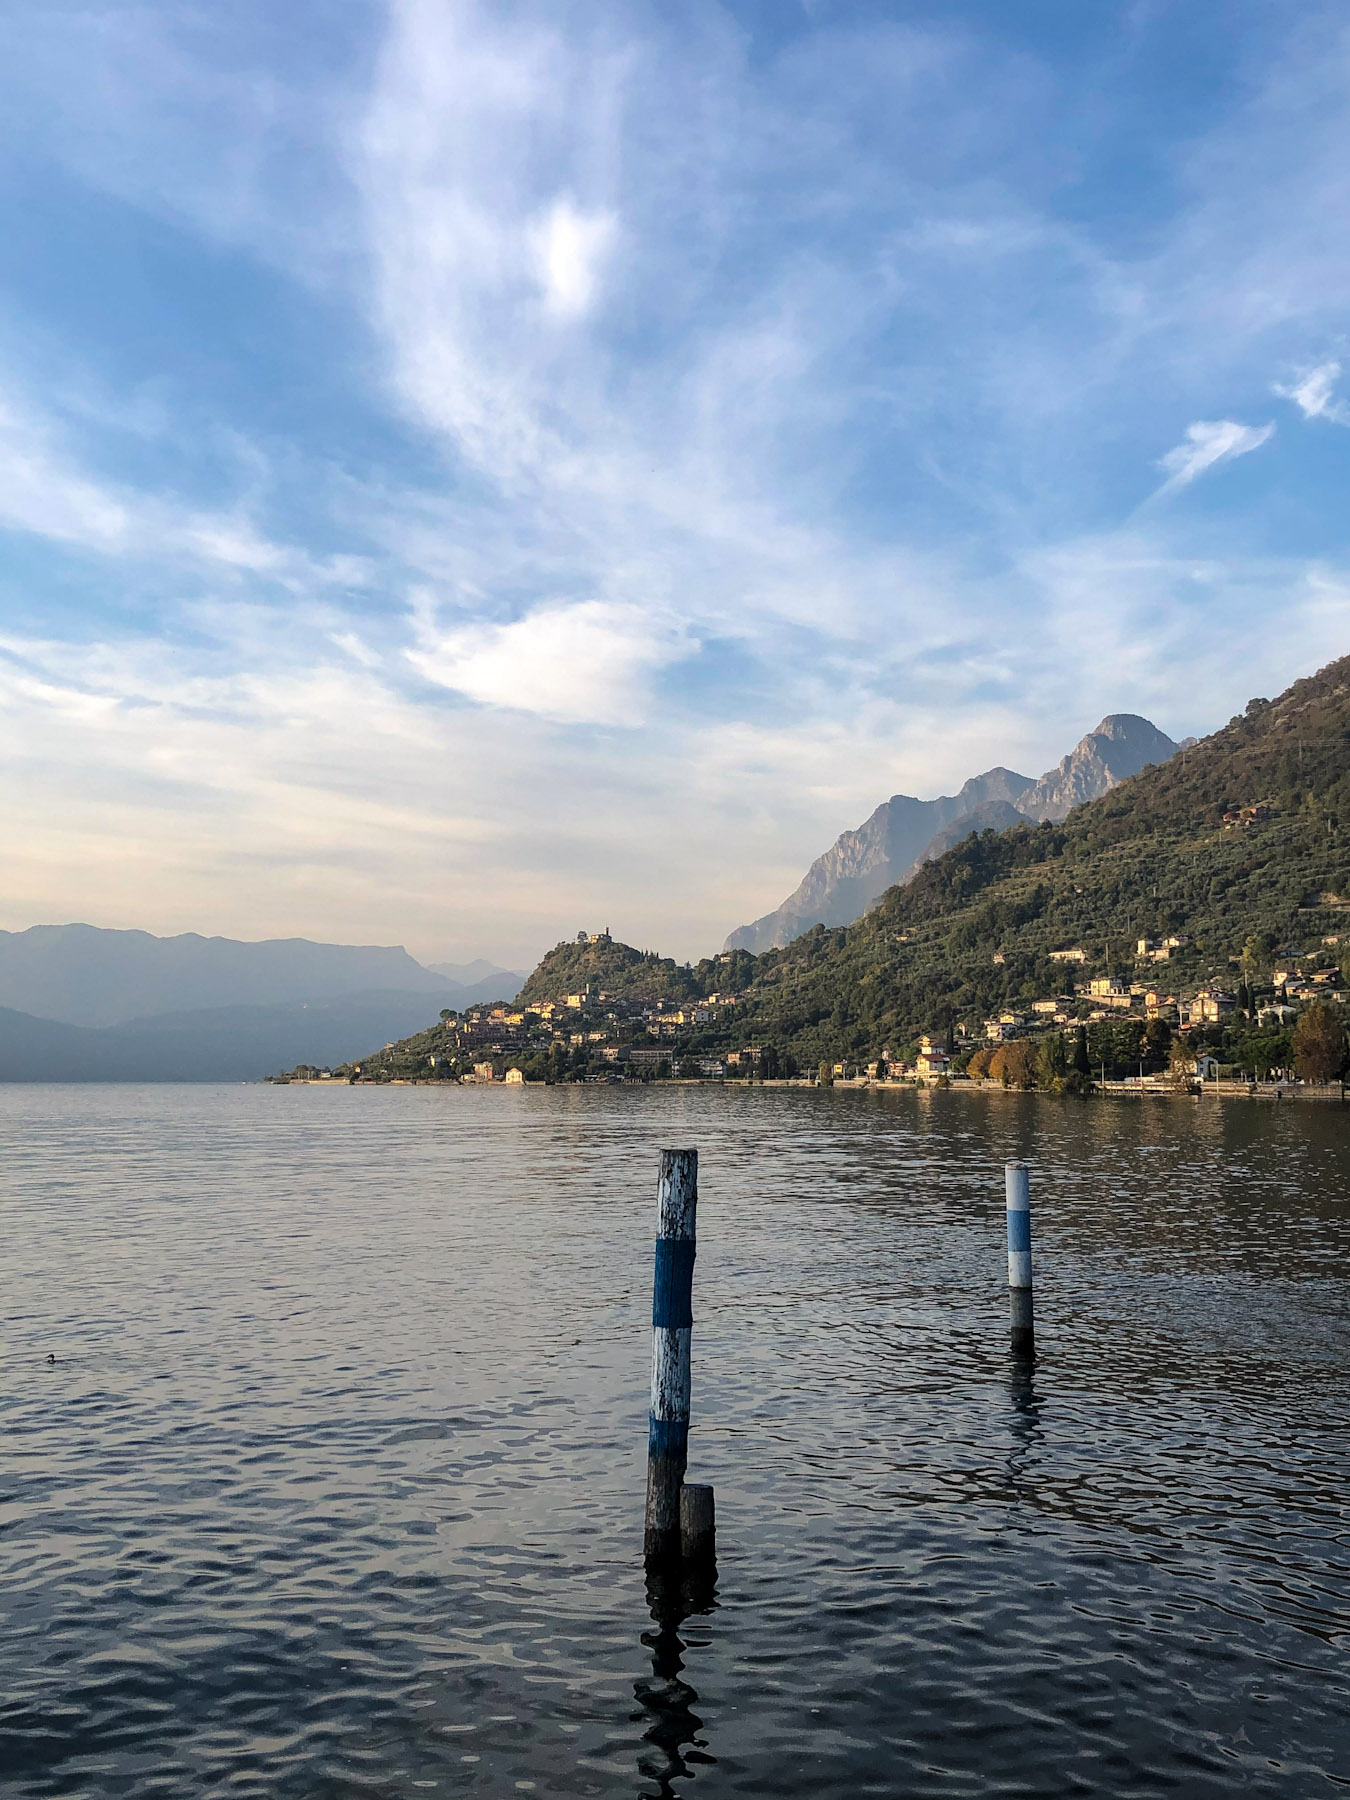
<point x="672" y="1328"/>
<point x="1017" y="1183"/>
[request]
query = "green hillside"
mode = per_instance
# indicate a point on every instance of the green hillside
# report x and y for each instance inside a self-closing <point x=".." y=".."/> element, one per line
<point x="1153" y="858"/>
<point x="972" y="933"/>
<point x="627" y="974"/>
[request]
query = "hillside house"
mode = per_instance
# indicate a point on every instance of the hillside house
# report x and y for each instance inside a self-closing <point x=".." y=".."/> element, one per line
<point x="998" y="1031"/>
<point x="1208" y="1007"/>
<point x="1107" y="987"/>
<point x="1273" y="1013"/>
<point x="1159" y="949"/>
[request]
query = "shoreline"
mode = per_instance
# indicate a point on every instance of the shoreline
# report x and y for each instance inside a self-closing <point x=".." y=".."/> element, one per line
<point x="1272" y="1092"/>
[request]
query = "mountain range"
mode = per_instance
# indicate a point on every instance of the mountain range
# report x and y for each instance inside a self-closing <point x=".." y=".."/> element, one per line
<point x="904" y="833"/>
<point x="80" y="1003"/>
<point x="1236" y="856"/>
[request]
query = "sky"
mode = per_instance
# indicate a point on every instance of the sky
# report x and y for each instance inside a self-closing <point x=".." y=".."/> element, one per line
<point x="475" y="472"/>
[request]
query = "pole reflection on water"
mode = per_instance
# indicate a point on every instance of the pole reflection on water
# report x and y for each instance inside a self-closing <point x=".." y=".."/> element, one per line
<point x="672" y="1744"/>
<point x="1024" y="1421"/>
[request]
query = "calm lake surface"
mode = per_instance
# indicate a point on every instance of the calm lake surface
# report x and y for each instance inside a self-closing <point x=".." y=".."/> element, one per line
<point x="335" y="1487"/>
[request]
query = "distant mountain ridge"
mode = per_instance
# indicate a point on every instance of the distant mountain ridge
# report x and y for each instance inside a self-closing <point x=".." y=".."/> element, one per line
<point x="223" y="1043"/>
<point x="80" y="1003"/>
<point x="904" y="833"/>
<point x="487" y="980"/>
<point x="86" y="975"/>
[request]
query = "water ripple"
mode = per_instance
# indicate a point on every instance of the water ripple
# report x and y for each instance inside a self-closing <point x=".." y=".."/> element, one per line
<point x="334" y="1488"/>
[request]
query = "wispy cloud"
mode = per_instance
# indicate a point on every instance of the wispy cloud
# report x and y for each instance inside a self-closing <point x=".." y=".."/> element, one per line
<point x="1313" y="391"/>
<point x="46" y="492"/>
<point x="582" y="664"/>
<point x="1207" y="443"/>
<point x="694" y="421"/>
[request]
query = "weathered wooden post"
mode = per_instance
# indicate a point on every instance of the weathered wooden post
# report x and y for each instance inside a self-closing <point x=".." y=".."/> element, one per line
<point x="698" y="1524"/>
<point x="672" y="1326"/>
<point x="1017" y="1186"/>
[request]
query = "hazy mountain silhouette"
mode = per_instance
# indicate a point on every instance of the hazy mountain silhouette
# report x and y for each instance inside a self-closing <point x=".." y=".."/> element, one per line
<point x="226" y="1043"/>
<point x="85" y="975"/>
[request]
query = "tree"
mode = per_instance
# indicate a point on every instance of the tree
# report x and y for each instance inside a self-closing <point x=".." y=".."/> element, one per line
<point x="1081" y="1065"/>
<point x="825" y="1075"/>
<point x="445" y="1015"/>
<point x="1014" y="1064"/>
<point x="1053" y="1062"/>
<point x="1263" y="1053"/>
<point x="1319" y="1044"/>
<point x="1157" y="1043"/>
<point x="978" y="1066"/>
<point x="1181" y="1060"/>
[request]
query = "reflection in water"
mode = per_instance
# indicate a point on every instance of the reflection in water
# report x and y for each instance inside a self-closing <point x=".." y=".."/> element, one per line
<point x="1025" y="1419"/>
<point x="672" y="1746"/>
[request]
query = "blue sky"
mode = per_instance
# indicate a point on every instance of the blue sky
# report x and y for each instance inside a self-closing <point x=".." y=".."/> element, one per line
<point x="469" y="472"/>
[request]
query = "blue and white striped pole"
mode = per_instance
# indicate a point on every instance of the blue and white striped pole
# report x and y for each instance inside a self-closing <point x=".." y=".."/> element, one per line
<point x="1017" y="1184"/>
<point x="672" y="1327"/>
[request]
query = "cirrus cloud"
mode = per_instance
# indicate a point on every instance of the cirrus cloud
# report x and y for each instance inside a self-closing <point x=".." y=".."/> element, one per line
<point x="1208" y="442"/>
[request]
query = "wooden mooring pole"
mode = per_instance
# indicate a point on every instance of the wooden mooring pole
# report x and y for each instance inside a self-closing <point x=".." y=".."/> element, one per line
<point x="672" y="1328"/>
<point x="1017" y="1185"/>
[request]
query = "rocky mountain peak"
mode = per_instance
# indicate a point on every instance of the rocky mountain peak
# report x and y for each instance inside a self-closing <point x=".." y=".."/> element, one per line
<point x="904" y="833"/>
<point x="1122" y="745"/>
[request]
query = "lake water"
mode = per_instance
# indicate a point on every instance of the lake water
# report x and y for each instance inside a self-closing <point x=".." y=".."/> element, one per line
<point x="335" y="1487"/>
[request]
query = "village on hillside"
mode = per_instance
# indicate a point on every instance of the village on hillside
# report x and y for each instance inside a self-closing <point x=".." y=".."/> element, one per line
<point x="1101" y="1029"/>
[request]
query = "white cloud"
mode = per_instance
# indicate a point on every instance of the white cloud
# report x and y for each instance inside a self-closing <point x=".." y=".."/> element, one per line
<point x="1313" y="392"/>
<point x="569" y="247"/>
<point x="582" y="664"/>
<point x="677" y="314"/>
<point x="1207" y="442"/>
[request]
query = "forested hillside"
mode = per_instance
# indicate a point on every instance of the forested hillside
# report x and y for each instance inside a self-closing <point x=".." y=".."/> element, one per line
<point x="627" y="974"/>
<point x="1238" y="850"/>
<point x="1153" y="858"/>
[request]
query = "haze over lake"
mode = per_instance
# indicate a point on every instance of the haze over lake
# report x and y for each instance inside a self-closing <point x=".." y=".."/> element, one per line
<point x="335" y="1486"/>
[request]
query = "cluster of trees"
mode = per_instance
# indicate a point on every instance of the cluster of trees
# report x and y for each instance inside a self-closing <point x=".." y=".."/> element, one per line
<point x="1046" y="1062"/>
<point x="1316" y="1050"/>
<point x="1319" y="1044"/>
<point x="1108" y="1047"/>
